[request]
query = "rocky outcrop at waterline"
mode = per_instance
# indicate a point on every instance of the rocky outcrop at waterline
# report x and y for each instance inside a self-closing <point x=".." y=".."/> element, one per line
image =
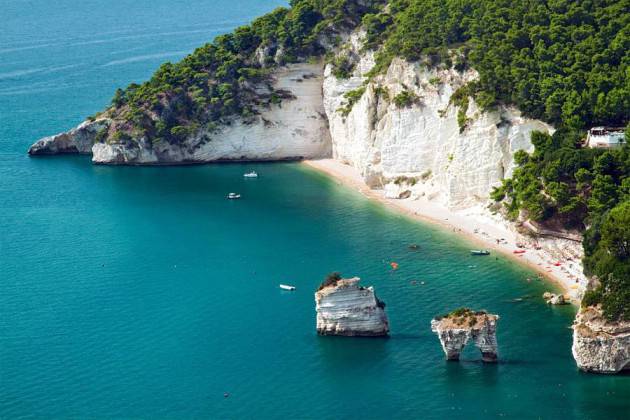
<point x="554" y="299"/>
<point x="78" y="140"/>
<point x="600" y="346"/>
<point x="295" y="129"/>
<point x="456" y="329"/>
<point x="345" y="308"/>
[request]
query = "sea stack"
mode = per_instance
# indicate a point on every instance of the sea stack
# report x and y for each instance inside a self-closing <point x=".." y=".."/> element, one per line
<point x="460" y="326"/>
<point x="345" y="308"/>
<point x="599" y="345"/>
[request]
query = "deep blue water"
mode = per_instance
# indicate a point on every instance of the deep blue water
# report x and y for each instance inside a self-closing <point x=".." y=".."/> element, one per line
<point x="142" y="292"/>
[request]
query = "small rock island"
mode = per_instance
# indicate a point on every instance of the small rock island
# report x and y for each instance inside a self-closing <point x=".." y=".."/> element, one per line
<point x="554" y="299"/>
<point x="457" y="328"/>
<point x="600" y="345"/>
<point x="347" y="309"/>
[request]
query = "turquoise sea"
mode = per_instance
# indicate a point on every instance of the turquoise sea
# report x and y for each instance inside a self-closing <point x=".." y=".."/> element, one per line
<point x="142" y="293"/>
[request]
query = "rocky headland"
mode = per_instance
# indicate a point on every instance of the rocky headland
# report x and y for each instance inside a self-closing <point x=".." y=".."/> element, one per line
<point x="347" y="309"/>
<point x="459" y="327"/>
<point x="599" y="345"/>
<point x="294" y="129"/>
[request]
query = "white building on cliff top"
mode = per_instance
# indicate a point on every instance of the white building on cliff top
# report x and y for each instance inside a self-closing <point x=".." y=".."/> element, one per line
<point x="605" y="137"/>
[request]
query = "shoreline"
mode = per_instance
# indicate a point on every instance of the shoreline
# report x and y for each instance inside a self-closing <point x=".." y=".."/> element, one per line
<point x="472" y="224"/>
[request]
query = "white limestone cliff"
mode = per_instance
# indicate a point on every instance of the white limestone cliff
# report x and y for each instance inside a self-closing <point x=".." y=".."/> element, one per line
<point x="600" y="346"/>
<point x="345" y="308"/>
<point x="420" y="148"/>
<point x="456" y="330"/>
<point x="294" y="129"/>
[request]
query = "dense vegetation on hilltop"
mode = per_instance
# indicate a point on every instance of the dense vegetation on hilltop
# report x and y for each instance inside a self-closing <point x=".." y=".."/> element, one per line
<point x="565" y="62"/>
<point x="218" y="80"/>
<point x="562" y="61"/>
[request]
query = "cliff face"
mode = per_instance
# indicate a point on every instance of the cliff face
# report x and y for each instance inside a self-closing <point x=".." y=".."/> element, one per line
<point x="421" y="143"/>
<point x="350" y="310"/>
<point x="600" y="346"/>
<point x="455" y="332"/>
<point x="416" y="150"/>
<point x="294" y="129"/>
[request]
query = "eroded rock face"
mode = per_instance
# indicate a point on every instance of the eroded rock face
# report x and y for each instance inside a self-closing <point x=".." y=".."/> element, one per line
<point x="455" y="331"/>
<point x="422" y="142"/>
<point x="294" y="129"/>
<point x="600" y="346"/>
<point x="78" y="140"/>
<point x="348" y="309"/>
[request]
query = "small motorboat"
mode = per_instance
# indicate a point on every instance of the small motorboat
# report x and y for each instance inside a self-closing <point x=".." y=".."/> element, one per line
<point x="479" y="252"/>
<point x="233" y="196"/>
<point x="252" y="174"/>
<point x="287" y="287"/>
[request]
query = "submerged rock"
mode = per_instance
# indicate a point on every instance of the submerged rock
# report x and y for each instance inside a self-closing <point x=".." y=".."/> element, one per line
<point x="600" y="346"/>
<point x="78" y="140"/>
<point x="554" y="299"/>
<point x="456" y="329"/>
<point x="345" y="308"/>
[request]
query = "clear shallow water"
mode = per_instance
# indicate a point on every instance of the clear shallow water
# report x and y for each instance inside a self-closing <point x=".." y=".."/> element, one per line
<point x="142" y="292"/>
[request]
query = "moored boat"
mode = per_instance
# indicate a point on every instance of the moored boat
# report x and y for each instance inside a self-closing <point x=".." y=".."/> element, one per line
<point x="287" y="287"/>
<point x="479" y="252"/>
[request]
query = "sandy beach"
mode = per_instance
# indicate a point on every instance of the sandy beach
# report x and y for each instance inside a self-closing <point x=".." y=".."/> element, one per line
<point x="556" y="262"/>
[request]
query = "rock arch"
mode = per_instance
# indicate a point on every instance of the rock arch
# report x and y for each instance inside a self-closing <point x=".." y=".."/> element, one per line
<point x="458" y="328"/>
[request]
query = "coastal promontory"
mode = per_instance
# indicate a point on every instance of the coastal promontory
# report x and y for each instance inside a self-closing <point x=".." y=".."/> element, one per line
<point x="347" y="309"/>
<point x="600" y="345"/>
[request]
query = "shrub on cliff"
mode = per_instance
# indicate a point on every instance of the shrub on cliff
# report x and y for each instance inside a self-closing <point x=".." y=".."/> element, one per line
<point x="342" y="67"/>
<point x="352" y="97"/>
<point x="405" y="99"/>
<point x="331" y="279"/>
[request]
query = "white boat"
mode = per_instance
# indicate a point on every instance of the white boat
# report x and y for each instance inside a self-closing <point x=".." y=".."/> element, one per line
<point x="287" y="287"/>
<point x="233" y="196"/>
<point x="479" y="252"/>
<point x="252" y="174"/>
